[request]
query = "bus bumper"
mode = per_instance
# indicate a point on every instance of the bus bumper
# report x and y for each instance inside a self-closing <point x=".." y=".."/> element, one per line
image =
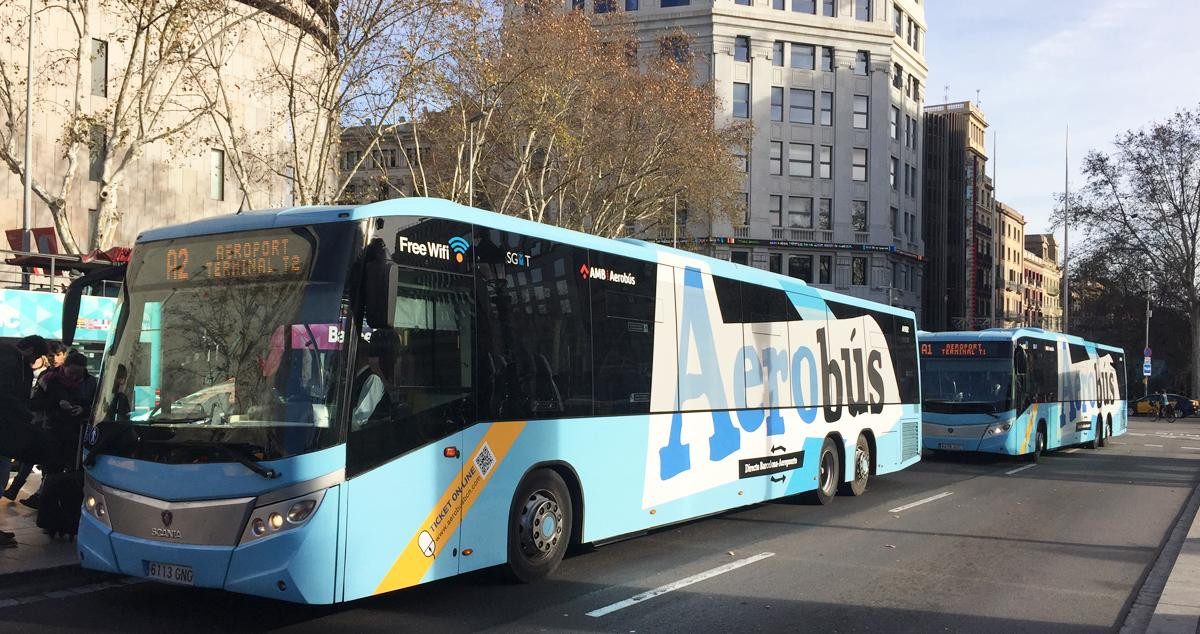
<point x="297" y="565"/>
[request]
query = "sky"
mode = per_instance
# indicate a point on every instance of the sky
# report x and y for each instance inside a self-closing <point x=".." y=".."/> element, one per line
<point x="1100" y="66"/>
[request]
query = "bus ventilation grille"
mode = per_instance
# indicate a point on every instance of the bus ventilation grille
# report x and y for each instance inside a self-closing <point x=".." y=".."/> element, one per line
<point x="911" y="443"/>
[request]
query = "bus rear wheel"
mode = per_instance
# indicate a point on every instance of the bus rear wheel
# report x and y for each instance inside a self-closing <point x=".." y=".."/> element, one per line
<point x="539" y="526"/>
<point x="829" y="473"/>
<point x="861" y="463"/>
<point x="1102" y="433"/>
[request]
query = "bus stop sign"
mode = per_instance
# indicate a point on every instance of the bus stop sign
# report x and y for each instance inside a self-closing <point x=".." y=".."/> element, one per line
<point x="1146" y="369"/>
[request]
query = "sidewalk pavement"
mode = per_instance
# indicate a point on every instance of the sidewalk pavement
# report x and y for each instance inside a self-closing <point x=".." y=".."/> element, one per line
<point x="35" y="550"/>
<point x="1178" y="608"/>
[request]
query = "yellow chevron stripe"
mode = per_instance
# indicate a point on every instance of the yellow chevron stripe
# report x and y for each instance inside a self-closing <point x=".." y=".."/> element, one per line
<point x="412" y="564"/>
<point x="1029" y="428"/>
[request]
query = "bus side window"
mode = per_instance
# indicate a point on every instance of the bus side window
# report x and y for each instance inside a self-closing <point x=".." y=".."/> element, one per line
<point x="623" y="321"/>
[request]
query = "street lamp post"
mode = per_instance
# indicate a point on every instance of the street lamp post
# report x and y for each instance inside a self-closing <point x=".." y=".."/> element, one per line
<point x="27" y="202"/>
<point x="1146" y="379"/>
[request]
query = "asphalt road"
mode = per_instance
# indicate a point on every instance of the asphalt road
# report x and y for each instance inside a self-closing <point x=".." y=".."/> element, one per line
<point x="1060" y="546"/>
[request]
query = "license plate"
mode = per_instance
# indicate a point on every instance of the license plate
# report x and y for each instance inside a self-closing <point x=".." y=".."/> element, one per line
<point x="949" y="445"/>
<point x="171" y="573"/>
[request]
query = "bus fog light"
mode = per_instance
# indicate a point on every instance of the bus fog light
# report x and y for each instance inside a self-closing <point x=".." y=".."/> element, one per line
<point x="276" y="521"/>
<point x="100" y="511"/>
<point x="90" y="503"/>
<point x="258" y="526"/>
<point x="301" y="510"/>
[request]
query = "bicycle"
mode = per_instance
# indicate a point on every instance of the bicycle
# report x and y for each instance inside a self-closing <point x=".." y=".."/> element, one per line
<point x="1169" y="412"/>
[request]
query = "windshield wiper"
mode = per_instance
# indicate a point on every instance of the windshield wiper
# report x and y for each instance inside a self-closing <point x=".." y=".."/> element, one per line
<point x="238" y="456"/>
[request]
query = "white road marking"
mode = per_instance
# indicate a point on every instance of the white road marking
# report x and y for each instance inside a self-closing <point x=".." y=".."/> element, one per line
<point x="1136" y="434"/>
<point x="1020" y="469"/>
<point x="1071" y="450"/>
<point x="1159" y="446"/>
<point x="1198" y="448"/>
<point x="920" y="502"/>
<point x="682" y="583"/>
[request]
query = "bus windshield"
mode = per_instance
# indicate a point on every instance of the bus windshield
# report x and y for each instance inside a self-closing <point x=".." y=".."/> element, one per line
<point x="232" y="342"/>
<point x="954" y="386"/>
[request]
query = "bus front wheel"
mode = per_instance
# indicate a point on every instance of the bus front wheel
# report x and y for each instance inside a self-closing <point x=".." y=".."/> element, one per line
<point x="829" y="473"/>
<point x="861" y="464"/>
<point x="539" y="526"/>
<point x="1039" y="445"/>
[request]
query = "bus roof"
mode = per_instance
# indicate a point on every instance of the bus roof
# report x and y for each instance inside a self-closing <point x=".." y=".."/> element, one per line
<point x="440" y="208"/>
<point x="1010" y="334"/>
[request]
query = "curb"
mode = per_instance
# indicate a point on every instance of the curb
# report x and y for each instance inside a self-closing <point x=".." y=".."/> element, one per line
<point x="1141" y="612"/>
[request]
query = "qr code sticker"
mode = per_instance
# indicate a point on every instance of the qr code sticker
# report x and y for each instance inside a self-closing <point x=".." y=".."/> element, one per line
<point x="485" y="460"/>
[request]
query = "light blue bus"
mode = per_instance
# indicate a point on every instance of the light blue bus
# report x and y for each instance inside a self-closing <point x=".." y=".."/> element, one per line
<point x="1019" y="391"/>
<point x="323" y="404"/>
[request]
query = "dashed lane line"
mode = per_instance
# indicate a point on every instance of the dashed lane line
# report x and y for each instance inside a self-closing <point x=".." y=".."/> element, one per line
<point x="1197" y="448"/>
<point x="1020" y="469"/>
<point x="1159" y="446"/>
<point x="682" y="583"/>
<point x="1071" y="450"/>
<point x="920" y="502"/>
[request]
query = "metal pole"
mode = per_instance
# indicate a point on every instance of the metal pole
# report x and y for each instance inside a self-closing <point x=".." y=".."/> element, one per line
<point x="1066" y="284"/>
<point x="27" y="202"/>
<point x="1146" y="379"/>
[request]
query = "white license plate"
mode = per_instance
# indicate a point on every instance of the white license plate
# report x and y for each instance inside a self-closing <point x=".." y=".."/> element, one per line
<point x="949" y="445"/>
<point x="171" y="573"/>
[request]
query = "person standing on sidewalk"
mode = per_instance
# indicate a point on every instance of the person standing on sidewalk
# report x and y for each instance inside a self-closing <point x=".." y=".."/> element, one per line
<point x="54" y="360"/>
<point x="16" y="382"/>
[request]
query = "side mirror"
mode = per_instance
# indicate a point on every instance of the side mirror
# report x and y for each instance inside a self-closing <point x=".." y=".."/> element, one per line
<point x="74" y="296"/>
<point x="380" y="292"/>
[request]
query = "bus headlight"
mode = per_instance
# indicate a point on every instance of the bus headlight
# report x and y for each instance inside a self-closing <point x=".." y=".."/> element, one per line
<point x="94" y="505"/>
<point x="999" y="428"/>
<point x="277" y="517"/>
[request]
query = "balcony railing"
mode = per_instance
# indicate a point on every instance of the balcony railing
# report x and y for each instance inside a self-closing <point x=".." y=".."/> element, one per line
<point x="862" y="237"/>
<point x="807" y="235"/>
<point x="777" y="233"/>
<point x="46" y="272"/>
<point x="742" y="231"/>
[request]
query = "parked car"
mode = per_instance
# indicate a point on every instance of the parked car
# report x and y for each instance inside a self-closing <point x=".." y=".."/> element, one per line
<point x="1148" y="405"/>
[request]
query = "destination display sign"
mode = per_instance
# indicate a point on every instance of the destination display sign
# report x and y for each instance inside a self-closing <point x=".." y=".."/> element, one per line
<point x="257" y="255"/>
<point x="965" y="349"/>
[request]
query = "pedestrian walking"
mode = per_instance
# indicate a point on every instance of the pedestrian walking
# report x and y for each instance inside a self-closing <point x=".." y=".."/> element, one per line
<point x="16" y="378"/>
<point x="64" y="395"/>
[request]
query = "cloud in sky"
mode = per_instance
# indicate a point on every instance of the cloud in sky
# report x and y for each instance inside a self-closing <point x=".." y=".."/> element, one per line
<point x="1101" y="66"/>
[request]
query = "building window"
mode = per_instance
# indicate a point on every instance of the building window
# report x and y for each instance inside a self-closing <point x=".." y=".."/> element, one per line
<point x="858" y="215"/>
<point x="800" y="212"/>
<point x="862" y="10"/>
<point x="826" y="162"/>
<point x="895" y="123"/>
<point x="826" y="108"/>
<point x="577" y="5"/>
<point x="776" y="103"/>
<point x="777" y="54"/>
<point x="898" y="76"/>
<point x="800" y="159"/>
<point x="917" y="39"/>
<point x="674" y="3"/>
<point x="825" y="214"/>
<point x="829" y="8"/>
<point x="741" y="159"/>
<point x="858" y="271"/>
<point x="97" y="149"/>
<point x="604" y="6"/>
<point x="803" y="56"/>
<point x="776" y="163"/>
<point x="895" y="167"/>
<point x="910" y="132"/>
<point x="912" y="178"/>
<point x="741" y="49"/>
<point x="99" y="68"/>
<point x="827" y="59"/>
<point x="631" y="5"/>
<point x="862" y="104"/>
<point x="776" y="210"/>
<point x="801" y="106"/>
<point x="775" y="262"/>
<point x="217" y="174"/>
<point x="740" y="257"/>
<point x="743" y="208"/>
<point x="897" y="19"/>
<point x="858" y="164"/>
<point x="804" y="6"/>
<point x="675" y="47"/>
<point x="826" y="271"/>
<point x="778" y="5"/>
<point x="862" y="60"/>
<point x="895" y="220"/>
<point x="741" y="100"/>
<point x="800" y="267"/>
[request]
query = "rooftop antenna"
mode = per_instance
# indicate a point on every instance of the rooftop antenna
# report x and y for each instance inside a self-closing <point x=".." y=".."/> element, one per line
<point x="946" y="93"/>
<point x="978" y="98"/>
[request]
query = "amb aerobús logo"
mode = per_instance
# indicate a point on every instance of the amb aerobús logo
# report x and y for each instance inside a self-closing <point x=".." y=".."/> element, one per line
<point x="458" y="246"/>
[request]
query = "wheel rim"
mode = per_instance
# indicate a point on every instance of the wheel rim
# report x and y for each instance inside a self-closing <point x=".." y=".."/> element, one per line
<point x="862" y="463"/>
<point x="1041" y="442"/>
<point x="541" y="525"/>
<point x="827" y="471"/>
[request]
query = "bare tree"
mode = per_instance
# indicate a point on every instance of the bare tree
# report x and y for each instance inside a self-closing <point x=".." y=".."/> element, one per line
<point x="1142" y="203"/>
<point x="557" y="119"/>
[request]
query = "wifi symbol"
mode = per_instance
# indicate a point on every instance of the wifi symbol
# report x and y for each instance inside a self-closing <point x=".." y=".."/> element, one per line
<point x="459" y="246"/>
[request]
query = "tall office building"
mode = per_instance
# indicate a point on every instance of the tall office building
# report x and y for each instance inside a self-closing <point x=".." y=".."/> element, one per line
<point x="1010" y="262"/>
<point x="831" y="191"/>
<point x="959" y="220"/>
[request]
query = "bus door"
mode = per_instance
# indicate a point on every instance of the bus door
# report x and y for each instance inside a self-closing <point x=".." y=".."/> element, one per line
<point x="413" y="396"/>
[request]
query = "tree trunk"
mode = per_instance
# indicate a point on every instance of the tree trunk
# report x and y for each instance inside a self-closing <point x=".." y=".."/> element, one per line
<point x="1195" y="360"/>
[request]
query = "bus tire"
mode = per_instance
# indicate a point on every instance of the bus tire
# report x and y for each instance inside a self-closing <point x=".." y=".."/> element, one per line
<point x="1105" y="428"/>
<point x="861" y="464"/>
<point x="1097" y="425"/>
<point x="539" y="526"/>
<point x="1039" y="444"/>
<point x="829" y="473"/>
